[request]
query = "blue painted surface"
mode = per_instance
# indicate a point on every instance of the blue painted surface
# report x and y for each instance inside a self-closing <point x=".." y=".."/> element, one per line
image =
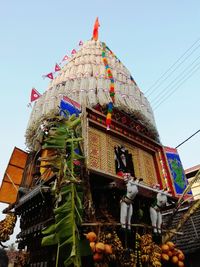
<point x="177" y="171"/>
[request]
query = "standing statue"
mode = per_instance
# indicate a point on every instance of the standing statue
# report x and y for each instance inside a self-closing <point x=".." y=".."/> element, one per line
<point x="155" y="211"/>
<point x="123" y="161"/>
<point x="126" y="208"/>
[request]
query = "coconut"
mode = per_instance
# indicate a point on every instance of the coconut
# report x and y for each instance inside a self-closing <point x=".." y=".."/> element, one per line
<point x="181" y="256"/>
<point x="100" y="247"/>
<point x="171" y="245"/>
<point x="97" y="256"/>
<point x="165" y="248"/>
<point x="91" y="236"/>
<point x="92" y="245"/>
<point x="165" y="257"/>
<point x="107" y="249"/>
<point x="174" y="259"/>
<point x="169" y="253"/>
<point x="180" y="264"/>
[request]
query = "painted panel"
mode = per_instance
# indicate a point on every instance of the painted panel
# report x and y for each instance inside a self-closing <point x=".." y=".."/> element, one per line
<point x="179" y="179"/>
<point x="101" y="156"/>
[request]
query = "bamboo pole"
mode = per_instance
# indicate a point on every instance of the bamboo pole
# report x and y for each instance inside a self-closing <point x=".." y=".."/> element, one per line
<point x="133" y="225"/>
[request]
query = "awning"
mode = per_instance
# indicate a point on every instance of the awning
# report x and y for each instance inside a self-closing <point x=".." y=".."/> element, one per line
<point x="13" y="176"/>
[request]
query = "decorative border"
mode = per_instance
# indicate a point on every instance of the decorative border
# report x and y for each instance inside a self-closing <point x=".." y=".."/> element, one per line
<point x="123" y="132"/>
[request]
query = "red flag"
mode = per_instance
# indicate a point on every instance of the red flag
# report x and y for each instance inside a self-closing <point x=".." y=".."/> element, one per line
<point x="65" y="58"/>
<point x="96" y="30"/>
<point x="81" y="43"/>
<point x="34" y="94"/>
<point x="57" y="67"/>
<point x="73" y="52"/>
<point x="49" y="75"/>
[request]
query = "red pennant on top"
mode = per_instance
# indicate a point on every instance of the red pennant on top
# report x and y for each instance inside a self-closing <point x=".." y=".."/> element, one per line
<point x="73" y="51"/>
<point x="65" y="58"/>
<point x="57" y="67"/>
<point x="49" y="75"/>
<point x="96" y="30"/>
<point x="34" y="94"/>
<point x="81" y="43"/>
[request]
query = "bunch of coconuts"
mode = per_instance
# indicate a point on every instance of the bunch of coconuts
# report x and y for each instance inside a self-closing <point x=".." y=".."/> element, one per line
<point x="171" y="254"/>
<point x="99" y="249"/>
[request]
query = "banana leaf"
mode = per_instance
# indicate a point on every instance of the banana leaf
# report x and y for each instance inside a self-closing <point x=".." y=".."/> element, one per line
<point x="49" y="240"/>
<point x="65" y="230"/>
<point x="68" y="215"/>
<point x="49" y="230"/>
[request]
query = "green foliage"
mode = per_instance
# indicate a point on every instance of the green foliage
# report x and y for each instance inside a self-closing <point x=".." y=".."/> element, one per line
<point x="64" y="231"/>
<point x="64" y="138"/>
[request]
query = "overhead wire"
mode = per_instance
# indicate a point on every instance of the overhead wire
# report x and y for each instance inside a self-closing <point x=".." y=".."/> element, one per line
<point x="176" y="88"/>
<point x="158" y="97"/>
<point x="188" y="138"/>
<point x="152" y="88"/>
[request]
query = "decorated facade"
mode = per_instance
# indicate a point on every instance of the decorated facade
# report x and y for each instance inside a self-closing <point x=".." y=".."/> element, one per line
<point x="96" y="177"/>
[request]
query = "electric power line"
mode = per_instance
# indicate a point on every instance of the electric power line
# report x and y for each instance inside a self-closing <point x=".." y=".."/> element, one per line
<point x="175" y="89"/>
<point x="172" y="72"/>
<point x="188" y="138"/>
<point x="179" y="78"/>
<point x="157" y="81"/>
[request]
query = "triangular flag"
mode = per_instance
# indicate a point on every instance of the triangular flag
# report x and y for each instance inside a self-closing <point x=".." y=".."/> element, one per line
<point x="65" y="58"/>
<point x="73" y="51"/>
<point x="49" y="75"/>
<point x="96" y="30"/>
<point x="57" y="67"/>
<point x="81" y="43"/>
<point x="34" y="94"/>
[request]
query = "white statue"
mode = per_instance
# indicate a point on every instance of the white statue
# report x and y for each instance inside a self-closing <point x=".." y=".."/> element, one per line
<point x="126" y="208"/>
<point x="155" y="211"/>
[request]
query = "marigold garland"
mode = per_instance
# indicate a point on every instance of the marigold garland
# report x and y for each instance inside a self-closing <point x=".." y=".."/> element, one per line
<point x="111" y="90"/>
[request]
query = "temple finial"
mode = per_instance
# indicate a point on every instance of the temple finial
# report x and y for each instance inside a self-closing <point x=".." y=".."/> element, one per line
<point x="96" y="30"/>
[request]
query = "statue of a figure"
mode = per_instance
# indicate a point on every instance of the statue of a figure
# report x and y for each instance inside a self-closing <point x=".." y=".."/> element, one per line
<point x="126" y="208"/>
<point x="123" y="161"/>
<point x="155" y="211"/>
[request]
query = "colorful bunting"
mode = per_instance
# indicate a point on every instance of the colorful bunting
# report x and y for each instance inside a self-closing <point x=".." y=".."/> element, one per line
<point x="57" y="67"/>
<point x="34" y="94"/>
<point x="73" y="52"/>
<point x="65" y="58"/>
<point x="112" y="88"/>
<point x="49" y="75"/>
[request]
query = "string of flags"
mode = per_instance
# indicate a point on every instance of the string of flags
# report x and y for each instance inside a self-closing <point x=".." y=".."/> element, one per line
<point x="50" y="75"/>
<point x="65" y="58"/>
<point x="34" y="96"/>
<point x="34" y="93"/>
<point x="57" y="67"/>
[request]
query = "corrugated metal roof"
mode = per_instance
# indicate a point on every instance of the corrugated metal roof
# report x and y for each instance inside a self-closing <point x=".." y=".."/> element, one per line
<point x="190" y="240"/>
<point x="192" y="169"/>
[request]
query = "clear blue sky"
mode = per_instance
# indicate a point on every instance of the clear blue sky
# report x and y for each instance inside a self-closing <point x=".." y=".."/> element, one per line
<point x="148" y="37"/>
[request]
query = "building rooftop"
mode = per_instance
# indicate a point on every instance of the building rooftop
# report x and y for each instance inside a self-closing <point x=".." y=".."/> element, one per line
<point x="192" y="169"/>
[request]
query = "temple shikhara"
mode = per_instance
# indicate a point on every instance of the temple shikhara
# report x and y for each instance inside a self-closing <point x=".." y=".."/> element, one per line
<point x="93" y="185"/>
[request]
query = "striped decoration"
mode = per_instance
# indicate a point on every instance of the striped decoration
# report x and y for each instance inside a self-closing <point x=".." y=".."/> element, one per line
<point x="112" y="87"/>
